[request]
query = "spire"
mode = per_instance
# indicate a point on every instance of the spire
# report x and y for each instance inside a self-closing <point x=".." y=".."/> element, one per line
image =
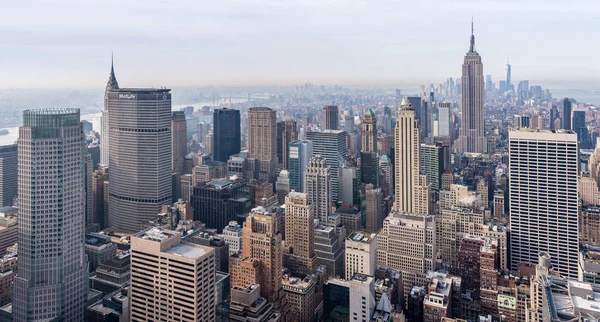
<point x="472" y="49"/>
<point x="112" y="80"/>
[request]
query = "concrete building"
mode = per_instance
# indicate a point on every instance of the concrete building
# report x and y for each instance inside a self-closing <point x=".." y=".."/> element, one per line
<point x="8" y="174"/>
<point x="9" y="227"/>
<point x="303" y="298"/>
<point x="113" y="274"/>
<point x="299" y="253"/>
<point x="318" y="187"/>
<point x="369" y="132"/>
<point x="262" y="143"/>
<point x="114" y="307"/>
<point x="282" y="186"/>
<point x="329" y="250"/>
<point x="232" y="235"/>
<point x="248" y="305"/>
<point x="218" y="202"/>
<point x="98" y="249"/>
<point x="589" y="231"/>
<point x="349" y="185"/>
<point x="361" y="254"/>
<point x="362" y="297"/>
<point x="544" y="197"/>
<point x="330" y="144"/>
<point x="8" y="270"/>
<point x="444" y="114"/>
<point x="588" y="190"/>
<point x="472" y="131"/>
<point x="300" y="153"/>
<point x="410" y="194"/>
<point x="408" y="243"/>
<point x="438" y="301"/>
<point x="188" y="290"/>
<point x="51" y="158"/>
<point x="140" y="155"/>
<point x="330" y="118"/>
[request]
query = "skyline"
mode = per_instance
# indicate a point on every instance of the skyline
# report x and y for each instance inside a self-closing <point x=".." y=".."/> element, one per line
<point x="68" y="44"/>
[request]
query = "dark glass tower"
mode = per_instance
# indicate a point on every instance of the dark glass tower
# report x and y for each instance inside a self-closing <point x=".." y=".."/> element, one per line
<point x="226" y="134"/>
<point x="566" y="114"/>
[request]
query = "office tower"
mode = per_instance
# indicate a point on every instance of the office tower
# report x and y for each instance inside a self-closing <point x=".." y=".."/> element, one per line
<point x="362" y="297"/>
<point x="554" y="114"/>
<point x="52" y="261"/>
<point x="304" y="296"/>
<point x="318" y="187"/>
<point x="508" y="78"/>
<point x="223" y="298"/>
<point x="218" y="202"/>
<point x="444" y="114"/>
<point x="226" y="133"/>
<point x="349" y="123"/>
<point x="8" y="270"/>
<point x="111" y="85"/>
<point x="299" y="255"/>
<point x="408" y="243"/>
<point x="262" y="143"/>
<point x="89" y="207"/>
<point x="544" y="198"/>
<point x="374" y="209"/>
<point x="361" y="254"/>
<point x="590" y="225"/>
<point x="578" y="124"/>
<point x="282" y="186"/>
<point x="187" y="274"/>
<point x="522" y="121"/>
<point x="330" y="117"/>
<point x="369" y="132"/>
<point x="331" y="145"/>
<point x="140" y="155"/>
<point x="489" y="87"/>
<point x="178" y="140"/>
<point x="329" y="250"/>
<point x="350" y="184"/>
<point x="232" y="235"/>
<point x="369" y="168"/>
<point x="248" y="305"/>
<point x="409" y="190"/>
<point x="8" y="174"/>
<point x="566" y="114"/>
<point x="386" y="176"/>
<point x="472" y="131"/>
<point x="286" y="133"/>
<point x="300" y="154"/>
<point x="261" y="242"/>
<point x="431" y="164"/>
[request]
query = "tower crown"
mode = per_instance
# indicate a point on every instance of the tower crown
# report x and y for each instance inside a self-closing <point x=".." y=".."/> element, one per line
<point x="112" y="79"/>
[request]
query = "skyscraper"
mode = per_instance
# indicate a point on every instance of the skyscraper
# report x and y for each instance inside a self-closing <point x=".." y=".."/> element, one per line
<point x="578" y="124"/>
<point x="374" y="209"/>
<point x="140" y="155"/>
<point x="300" y="154"/>
<point x="330" y="144"/>
<point x="111" y="85"/>
<point x="444" y="128"/>
<point x="369" y="135"/>
<point x="331" y="117"/>
<point x="508" y="78"/>
<point x="566" y="114"/>
<point x="472" y="135"/>
<point x="544" y="198"/>
<point x="179" y="149"/>
<point x="407" y="137"/>
<point x="262" y="143"/>
<point x="299" y="255"/>
<point x="226" y="133"/>
<point x="187" y="274"/>
<point x="288" y="135"/>
<point x="318" y="187"/>
<point x="53" y="271"/>
<point x="431" y="163"/>
<point x="8" y="174"/>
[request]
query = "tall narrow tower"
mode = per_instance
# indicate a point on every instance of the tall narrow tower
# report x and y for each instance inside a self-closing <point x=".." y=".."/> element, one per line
<point x="262" y="142"/>
<point x="330" y="117"/>
<point x="111" y="85"/>
<point x="472" y="135"/>
<point x="508" y="76"/>
<point x="317" y="185"/>
<point x="369" y="135"/>
<point x="52" y="280"/>
<point x="299" y="255"/>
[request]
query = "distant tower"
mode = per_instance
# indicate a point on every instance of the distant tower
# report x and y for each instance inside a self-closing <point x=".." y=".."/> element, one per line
<point x="52" y="261"/>
<point x="330" y="117"/>
<point x="566" y="114"/>
<point x="226" y="133"/>
<point x="8" y="174"/>
<point x="369" y="135"/>
<point x="472" y="135"/>
<point x="262" y="142"/>
<point x="179" y="149"/>
<point x="318" y="187"/>
<point x="111" y="85"/>
<point x="140" y="155"/>
<point x="508" y="81"/>
<point x="300" y="153"/>
<point x="289" y="134"/>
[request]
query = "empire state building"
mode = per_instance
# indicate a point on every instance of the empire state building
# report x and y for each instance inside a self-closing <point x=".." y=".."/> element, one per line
<point x="472" y="135"/>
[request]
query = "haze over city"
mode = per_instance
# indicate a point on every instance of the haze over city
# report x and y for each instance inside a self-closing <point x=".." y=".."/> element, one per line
<point x="63" y="43"/>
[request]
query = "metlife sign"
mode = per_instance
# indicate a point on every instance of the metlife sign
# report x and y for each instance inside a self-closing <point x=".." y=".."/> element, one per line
<point x="127" y="96"/>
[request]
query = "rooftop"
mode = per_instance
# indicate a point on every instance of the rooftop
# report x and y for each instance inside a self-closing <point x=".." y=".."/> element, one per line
<point x="156" y="234"/>
<point x="361" y="237"/>
<point x="142" y="90"/>
<point x="186" y="250"/>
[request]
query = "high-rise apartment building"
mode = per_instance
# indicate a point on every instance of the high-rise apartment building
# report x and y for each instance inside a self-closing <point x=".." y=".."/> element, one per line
<point x="300" y="153"/>
<point x="262" y="143"/>
<point x="318" y="187"/>
<point x="330" y="118"/>
<point x="472" y="131"/>
<point x="140" y="155"/>
<point x="331" y="144"/>
<point x="408" y="243"/>
<point x="299" y="255"/>
<point x="8" y="174"/>
<point x="171" y="280"/>
<point x="409" y="189"/>
<point x="361" y="254"/>
<point x="544" y="197"/>
<point x="369" y="129"/>
<point x="226" y="133"/>
<point x="111" y="85"/>
<point x="52" y="273"/>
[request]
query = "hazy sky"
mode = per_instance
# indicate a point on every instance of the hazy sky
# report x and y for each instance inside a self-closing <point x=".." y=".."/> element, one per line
<point x="67" y="43"/>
